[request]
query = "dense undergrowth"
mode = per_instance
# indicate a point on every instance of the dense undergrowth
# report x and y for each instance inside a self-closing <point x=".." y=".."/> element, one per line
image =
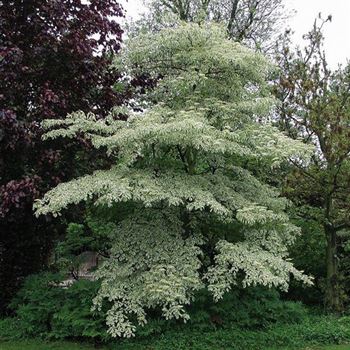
<point x="253" y="318"/>
<point x="311" y="332"/>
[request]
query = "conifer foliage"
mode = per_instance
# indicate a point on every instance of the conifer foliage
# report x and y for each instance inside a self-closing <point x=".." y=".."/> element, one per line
<point x="200" y="219"/>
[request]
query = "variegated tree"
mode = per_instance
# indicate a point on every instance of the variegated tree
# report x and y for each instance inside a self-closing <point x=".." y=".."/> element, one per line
<point x="200" y="219"/>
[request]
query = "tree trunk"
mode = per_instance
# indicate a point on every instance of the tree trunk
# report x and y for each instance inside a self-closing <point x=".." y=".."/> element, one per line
<point x="332" y="295"/>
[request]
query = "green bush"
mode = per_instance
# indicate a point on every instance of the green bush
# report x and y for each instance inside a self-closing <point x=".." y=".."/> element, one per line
<point x="313" y="331"/>
<point x="253" y="318"/>
<point x="74" y="318"/>
<point x="37" y="302"/>
<point x="44" y="309"/>
<point x="251" y="309"/>
<point x="9" y="329"/>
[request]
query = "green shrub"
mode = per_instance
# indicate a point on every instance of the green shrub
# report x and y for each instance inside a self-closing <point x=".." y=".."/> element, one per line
<point x="74" y="318"/>
<point x="37" y="302"/>
<point x="256" y="308"/>
<point x="44" y="309"/>
<point x="9" y="329"/>
<point x="253" y="318"/>
<point x="313" y="331"/>
<point x="251" y="309"/>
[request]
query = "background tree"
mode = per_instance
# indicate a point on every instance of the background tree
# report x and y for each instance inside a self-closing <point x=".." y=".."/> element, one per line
<point x="198" y="217"/>
<point x="255" y="23"/>
<point x="316" y="105"/>
<point x="54" y="59"/>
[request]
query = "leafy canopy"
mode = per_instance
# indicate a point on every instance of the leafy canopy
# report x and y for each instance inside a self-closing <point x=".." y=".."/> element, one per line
<point x="316" y="106"/>
<point x="200" y="218"/>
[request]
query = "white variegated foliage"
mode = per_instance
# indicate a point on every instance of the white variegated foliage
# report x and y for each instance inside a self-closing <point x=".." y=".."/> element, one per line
<point x="151" y="264"/>
<point x="182" y="162"/>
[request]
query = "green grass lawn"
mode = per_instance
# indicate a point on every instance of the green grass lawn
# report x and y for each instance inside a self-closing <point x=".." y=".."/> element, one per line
<point x="38" y="345"/>
<point x="332" y="347"/>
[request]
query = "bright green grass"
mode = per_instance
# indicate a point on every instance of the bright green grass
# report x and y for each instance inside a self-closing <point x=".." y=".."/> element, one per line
<point x="332" y="347"/>
<point x="39" y="345"/>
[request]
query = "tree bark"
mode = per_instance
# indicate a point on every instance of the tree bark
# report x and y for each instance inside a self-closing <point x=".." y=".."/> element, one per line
<point x="232" y="16"/>
<point x="332" y="295"/>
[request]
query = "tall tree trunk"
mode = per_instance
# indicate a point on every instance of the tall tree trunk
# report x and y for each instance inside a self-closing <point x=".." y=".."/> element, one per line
<point x="232" y="16"/>
<point x="332" y="295"/>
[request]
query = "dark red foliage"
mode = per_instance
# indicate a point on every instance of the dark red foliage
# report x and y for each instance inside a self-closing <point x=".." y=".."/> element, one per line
<point x="55" y="58"/>
<point x="12" y="133"/>
<point x="55" y="54"/>
<point x="16" y="194"/>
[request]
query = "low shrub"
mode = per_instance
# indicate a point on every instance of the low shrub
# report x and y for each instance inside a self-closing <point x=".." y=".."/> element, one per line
<point x="253" y="318"/>
<point x="313" y="331"/>
<point x="251" y="308"/>
<point x="37" y="302"/>
<point x="9" y="329"/>
<point x="74" y="319"/>
<point x="45" y="309"/>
